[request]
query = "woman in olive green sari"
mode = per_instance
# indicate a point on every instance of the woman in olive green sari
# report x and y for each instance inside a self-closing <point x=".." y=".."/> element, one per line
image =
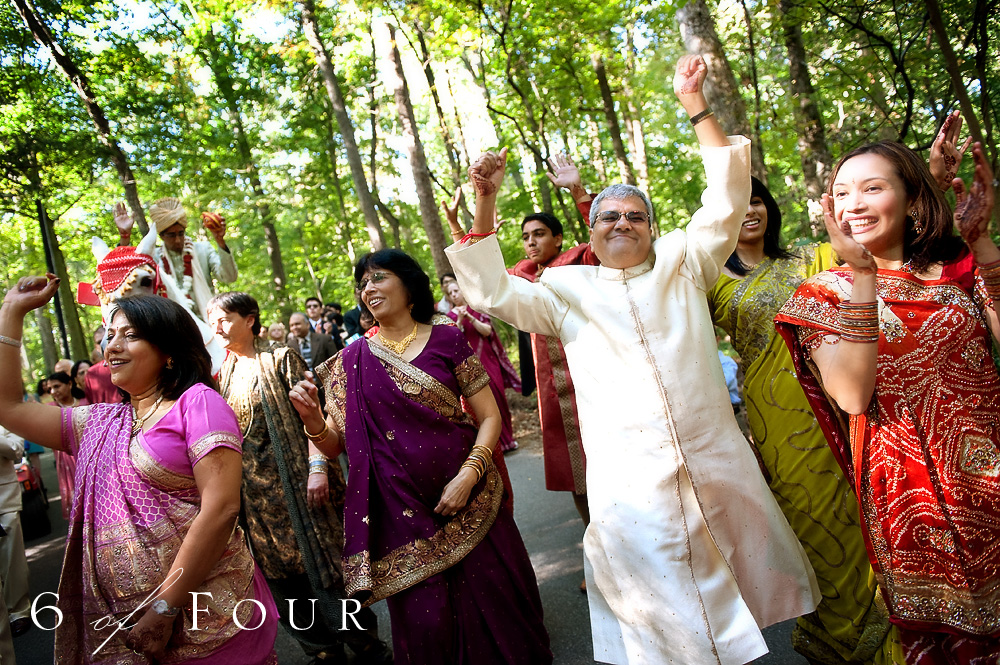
<point x="850" y="623"/>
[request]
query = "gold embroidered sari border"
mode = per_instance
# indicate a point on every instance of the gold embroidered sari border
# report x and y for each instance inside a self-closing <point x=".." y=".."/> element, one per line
<point x="418" y="560"/>
<point x="146" y="465"/>
<point x="415" y="374"/>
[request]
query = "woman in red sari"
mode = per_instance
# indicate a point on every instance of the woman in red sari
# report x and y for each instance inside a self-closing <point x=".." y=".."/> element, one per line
<point x="479" y="333"/>
<point x="899" y="339"/>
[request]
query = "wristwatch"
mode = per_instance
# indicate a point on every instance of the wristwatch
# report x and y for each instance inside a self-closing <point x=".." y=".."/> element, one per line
<point x="161" y="608"/>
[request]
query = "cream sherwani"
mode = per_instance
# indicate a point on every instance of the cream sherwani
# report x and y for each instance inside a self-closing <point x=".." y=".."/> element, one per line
<point x="687" y="555"/>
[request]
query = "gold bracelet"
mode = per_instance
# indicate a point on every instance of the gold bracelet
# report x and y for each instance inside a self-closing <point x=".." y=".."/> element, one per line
<point x="10" y="341"/>
<point x="320" y="436"/>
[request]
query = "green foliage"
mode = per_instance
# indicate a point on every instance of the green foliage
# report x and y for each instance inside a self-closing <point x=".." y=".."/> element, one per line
<point x="181" y="82"/>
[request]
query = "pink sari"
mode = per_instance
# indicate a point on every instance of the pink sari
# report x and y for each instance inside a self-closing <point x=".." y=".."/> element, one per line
<point x="135" y="501"/>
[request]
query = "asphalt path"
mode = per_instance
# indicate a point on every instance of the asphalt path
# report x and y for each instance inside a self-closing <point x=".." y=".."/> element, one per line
<point x="552" y="533"/>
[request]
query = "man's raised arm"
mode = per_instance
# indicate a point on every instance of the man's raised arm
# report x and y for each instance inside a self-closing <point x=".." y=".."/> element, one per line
<point x="479" y="266"/>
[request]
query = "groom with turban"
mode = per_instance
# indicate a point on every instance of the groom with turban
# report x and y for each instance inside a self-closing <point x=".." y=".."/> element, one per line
<point x="192" y="265"/>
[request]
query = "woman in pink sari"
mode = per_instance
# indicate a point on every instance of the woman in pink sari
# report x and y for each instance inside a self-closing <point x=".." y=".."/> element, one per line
<point x="153" y="521"/>
<point x="479" y="333"/>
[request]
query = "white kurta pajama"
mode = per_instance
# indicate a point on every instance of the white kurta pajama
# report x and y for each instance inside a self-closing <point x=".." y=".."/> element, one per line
<point x="687" y="553"/>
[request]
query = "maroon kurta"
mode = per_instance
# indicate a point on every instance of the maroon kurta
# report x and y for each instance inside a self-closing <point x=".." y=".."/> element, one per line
<point x="565" y="463"/>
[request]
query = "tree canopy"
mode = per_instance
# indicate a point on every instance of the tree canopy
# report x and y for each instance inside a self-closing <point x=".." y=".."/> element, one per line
<point x="230" y="107"/>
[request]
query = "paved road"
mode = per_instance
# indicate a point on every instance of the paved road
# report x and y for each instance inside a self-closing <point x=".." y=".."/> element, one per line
<point x="552" y="532"/>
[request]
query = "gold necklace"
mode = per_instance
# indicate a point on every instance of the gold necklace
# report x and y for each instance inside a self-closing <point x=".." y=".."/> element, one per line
<point x="399" y="347"/>
<point x="138" y="422"/>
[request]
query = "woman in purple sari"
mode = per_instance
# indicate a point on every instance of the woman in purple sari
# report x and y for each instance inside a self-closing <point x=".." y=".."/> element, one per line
<point x="153" y="521"/>
<point x="425" y="521"/>
<point x="479" y="333"/>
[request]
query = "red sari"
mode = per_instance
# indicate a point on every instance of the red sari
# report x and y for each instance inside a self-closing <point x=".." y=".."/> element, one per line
<point x="924" y="456"/>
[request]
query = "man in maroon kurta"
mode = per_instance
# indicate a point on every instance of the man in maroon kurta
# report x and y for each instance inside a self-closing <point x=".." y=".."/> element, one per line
<point x="565" y="463"/>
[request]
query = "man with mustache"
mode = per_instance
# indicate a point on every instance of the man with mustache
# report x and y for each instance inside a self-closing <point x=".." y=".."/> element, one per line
<point x="687" y="554"/>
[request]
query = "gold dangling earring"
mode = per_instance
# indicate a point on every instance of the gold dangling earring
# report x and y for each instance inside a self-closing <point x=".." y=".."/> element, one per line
<point x="918" y="226"/>
<point x="170" y="363"/>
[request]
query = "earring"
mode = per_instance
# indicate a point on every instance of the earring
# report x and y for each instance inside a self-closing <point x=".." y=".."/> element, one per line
<point x="170" y="363"/>
<point x="918" y="226"/>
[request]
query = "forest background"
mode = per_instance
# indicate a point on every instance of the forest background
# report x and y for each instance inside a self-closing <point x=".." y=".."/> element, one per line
<point x="321" y="130"/>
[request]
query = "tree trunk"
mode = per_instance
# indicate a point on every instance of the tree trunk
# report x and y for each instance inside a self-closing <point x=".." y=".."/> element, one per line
<point x="954" y="71"/>
<point x="40" y="31"/>
<point x="597" y="150"/>
<point x="614" y="129"/>
<point x="817" y="161"/>
<point x="698" y="32"/>
<point x="633" y="116"/>
<point x="66" y="299"/>
<point x="365" y="201"/>
<point x="50" y="353"/>
<point x="418" y="161"/>
<point x="449" y="144"/>
<point x="345" y="226"/>
<point x="224" y="83"/>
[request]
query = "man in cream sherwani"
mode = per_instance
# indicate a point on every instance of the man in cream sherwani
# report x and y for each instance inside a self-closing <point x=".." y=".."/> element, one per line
<point x="687" y="555"/>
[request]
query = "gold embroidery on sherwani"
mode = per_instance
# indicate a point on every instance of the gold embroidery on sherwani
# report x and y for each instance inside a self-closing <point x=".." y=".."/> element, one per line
<point x="420" y="559"/>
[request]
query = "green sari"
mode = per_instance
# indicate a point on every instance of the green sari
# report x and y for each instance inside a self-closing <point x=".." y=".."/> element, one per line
<point x="851" y="622"/>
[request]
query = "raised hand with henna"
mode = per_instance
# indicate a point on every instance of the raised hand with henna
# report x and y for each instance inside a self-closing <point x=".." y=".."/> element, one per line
<point x="847" y="248"/>
<point x="486" y="173"/>
<point x="975" y="206"/>
<point x="945" y="154"/>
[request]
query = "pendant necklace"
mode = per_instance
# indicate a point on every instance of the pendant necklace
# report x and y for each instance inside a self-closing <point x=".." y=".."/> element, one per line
<point x="399" y="347"/>
<point x="138" y="422"/>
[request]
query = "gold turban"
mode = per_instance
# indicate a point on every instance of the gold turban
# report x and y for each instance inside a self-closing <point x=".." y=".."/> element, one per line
<point x="167" y="212"/>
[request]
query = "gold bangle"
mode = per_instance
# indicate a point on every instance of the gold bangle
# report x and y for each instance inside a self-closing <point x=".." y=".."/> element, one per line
<point x="319" y="436"/>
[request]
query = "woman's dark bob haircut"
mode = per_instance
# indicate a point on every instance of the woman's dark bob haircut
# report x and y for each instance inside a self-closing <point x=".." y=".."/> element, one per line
<point x="772" y="231"/>
<point x="63" y="377"/>
<point x="936" y="242"/>
<point x="415" y="280"/>
<point x="237" y="302"/>
<point x="168" y="326"/>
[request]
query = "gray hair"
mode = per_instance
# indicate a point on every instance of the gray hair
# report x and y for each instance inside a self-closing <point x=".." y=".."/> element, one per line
<point x="620" y="192"/>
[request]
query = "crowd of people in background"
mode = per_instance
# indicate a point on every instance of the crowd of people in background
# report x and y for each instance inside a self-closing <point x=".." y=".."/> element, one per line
<point x="843" y="470"/>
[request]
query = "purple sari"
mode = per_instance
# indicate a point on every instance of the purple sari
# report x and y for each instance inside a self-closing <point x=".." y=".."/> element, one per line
<point x="460" y="589"/>
<point x="498" y="366"/>
<point x="135" y="500"/>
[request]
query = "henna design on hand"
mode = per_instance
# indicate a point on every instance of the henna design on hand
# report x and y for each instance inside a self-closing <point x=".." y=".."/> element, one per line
<point x="481" y="171"/>
<point x="971" y="212"/>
